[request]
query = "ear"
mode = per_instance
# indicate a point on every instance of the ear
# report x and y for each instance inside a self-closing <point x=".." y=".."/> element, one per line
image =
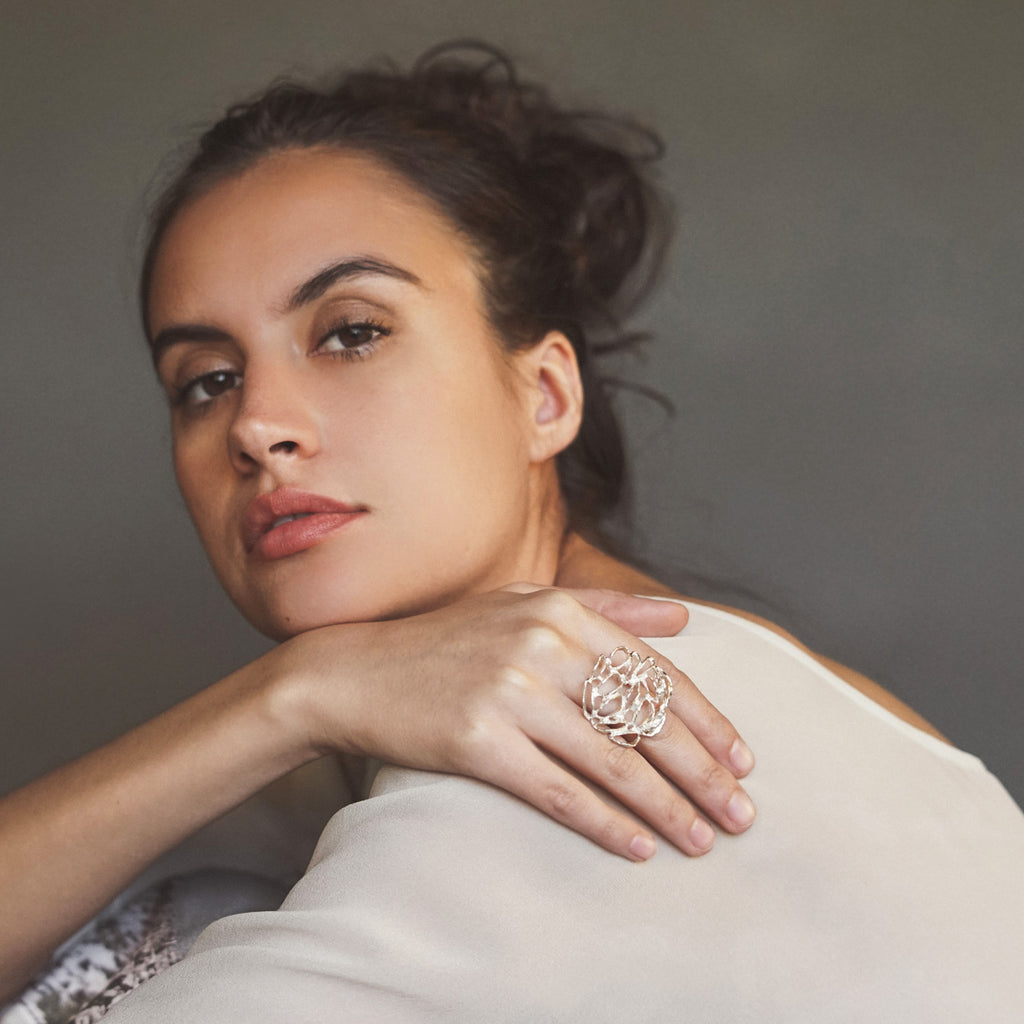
<point x="553" y="395"/>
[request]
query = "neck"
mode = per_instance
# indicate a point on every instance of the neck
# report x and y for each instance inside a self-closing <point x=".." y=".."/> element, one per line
<point x="581" y="565"/>
<point x="546" y="530"/>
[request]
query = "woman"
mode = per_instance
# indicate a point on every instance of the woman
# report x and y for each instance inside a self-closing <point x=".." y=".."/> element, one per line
<point x="368" y="494"/>
<point x="373" y="313"/>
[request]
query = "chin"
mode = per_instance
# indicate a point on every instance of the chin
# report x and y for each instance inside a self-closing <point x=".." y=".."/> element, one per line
<point x="287" y="612"/>
<point x="281" y="621"/>
<point x="320" y="588"/>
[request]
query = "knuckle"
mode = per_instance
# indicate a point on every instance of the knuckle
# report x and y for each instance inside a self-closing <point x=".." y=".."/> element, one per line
<point x="475" y="742"/>
<point x="556" y="604"/>
<point x="609" y="833"/>
<point x="621" y="763"/>
<point x="514" y="686"/>
<point x="711" y="722"/>
<point x="561" y="801"/>
<point x="519" y="587"/>
<point x="541" y="641"/>
<point x="713" y="777"/>
<point x="714" y="724"/>
<point x="677" y="815"/>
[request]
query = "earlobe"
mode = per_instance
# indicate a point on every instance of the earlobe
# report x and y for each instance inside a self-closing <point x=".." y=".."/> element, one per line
<point x="556" y="395"/>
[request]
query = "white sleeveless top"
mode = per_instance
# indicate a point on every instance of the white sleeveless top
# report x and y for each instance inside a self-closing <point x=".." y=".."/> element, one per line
<point x="883" y="881"/>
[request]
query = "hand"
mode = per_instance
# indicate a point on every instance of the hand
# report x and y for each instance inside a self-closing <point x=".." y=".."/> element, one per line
<point x="490" y="686"/>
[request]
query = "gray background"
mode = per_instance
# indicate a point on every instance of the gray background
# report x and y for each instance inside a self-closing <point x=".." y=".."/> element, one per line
<point x="839" y="328"/>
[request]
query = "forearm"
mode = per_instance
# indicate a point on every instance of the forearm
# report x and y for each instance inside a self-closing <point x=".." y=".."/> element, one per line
<point x="72" y="840"/>
<point x="487" y="686"/>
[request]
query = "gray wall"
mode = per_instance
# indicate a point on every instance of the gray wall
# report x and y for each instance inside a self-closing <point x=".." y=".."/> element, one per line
<point x="840" y="330"/>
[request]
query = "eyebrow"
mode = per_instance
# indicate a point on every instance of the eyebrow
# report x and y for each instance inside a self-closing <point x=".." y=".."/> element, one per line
<point x="344" y="270"/>
<point x="176" y="333"/>
<point x="308" y="291"/>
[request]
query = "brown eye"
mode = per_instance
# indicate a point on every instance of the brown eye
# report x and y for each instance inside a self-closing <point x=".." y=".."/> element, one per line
<point x="355" y="337"/>
<point x="209" y="386"/>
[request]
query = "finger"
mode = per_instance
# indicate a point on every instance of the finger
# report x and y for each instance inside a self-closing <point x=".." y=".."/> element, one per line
<point x="592" y="631"/>
<point x="523" y="770"/>
<point x="712" y="729"/>
<point x="714" y="732"/>
<point x="641" y="616"/>
<point x="684" y="760"/>
<point x="628" y="776"/>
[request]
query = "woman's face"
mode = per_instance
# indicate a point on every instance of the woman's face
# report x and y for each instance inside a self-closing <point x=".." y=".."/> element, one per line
<point x="320" y="331"/>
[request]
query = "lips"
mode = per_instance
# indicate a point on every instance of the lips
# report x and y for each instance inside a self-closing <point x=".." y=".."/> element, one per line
<point x="287" y="521"/>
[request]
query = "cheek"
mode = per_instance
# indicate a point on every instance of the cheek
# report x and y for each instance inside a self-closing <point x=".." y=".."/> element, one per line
<point x="450" y="428"/>
<point x="197" y="479"/>
<point x="469" y="435"/>
<point x="471" y="464"/>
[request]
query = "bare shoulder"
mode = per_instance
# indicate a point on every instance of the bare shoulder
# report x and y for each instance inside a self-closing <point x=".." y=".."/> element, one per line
<point x="858" y="681"/>
<point x="583" y="565"/>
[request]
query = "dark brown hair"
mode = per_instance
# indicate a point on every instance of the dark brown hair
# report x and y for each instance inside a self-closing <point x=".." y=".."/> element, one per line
<point x="555" y="205"/>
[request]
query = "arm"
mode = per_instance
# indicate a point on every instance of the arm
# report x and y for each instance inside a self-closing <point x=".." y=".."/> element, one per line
<point x="487" y="687"/>
<point x="71" y="841"/>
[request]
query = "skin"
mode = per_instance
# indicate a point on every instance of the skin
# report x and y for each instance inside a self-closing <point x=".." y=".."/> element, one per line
<point x="374" y="413"/>
<point x="360" y="386"/>
<point x="404" y="634"/>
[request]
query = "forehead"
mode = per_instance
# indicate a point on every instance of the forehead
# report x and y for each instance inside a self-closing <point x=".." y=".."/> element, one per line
<point x="259" y="233"/>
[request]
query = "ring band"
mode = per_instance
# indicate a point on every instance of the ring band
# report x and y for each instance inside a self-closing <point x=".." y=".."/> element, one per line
<point x="626" y="696"/>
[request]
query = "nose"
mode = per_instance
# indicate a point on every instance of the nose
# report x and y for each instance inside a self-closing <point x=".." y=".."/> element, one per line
<point x="273" y="421"/>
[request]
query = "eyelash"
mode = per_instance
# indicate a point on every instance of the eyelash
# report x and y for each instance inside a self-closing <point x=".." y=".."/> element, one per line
<point x="181" y="394"/>
<point x="361" y="350"/>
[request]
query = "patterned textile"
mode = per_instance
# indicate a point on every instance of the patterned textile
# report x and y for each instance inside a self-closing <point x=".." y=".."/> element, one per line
<point x="131" y="943"/>
<point x="155" y="953"/>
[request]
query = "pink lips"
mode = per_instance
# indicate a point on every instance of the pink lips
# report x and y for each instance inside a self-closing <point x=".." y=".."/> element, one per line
<point x="266" y="536"/>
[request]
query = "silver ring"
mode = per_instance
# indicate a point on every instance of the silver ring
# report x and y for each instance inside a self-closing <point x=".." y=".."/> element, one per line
<point x="626" y="696"/>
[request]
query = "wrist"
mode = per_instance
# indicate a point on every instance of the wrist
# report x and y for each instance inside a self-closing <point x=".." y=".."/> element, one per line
<point x="305" y="689"/>
<point x="287" y="707"/>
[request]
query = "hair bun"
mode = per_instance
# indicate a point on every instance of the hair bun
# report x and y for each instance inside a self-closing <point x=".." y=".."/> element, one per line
<point x="556" y="205"/>
<point x="588" y="172"/>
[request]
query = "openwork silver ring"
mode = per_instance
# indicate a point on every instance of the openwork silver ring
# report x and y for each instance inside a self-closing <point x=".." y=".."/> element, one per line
<point x="626" y="696"/>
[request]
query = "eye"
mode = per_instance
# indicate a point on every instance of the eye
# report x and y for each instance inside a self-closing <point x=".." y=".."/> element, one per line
<point x="353" y="339"/>
<point x="205" y="388"/>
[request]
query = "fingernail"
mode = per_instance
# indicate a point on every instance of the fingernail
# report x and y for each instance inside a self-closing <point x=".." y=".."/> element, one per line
<point x="702" y="835"/>
<point x="740" y="809"/>
<point x="642" y="847"/>
<point x="740" y="757"/>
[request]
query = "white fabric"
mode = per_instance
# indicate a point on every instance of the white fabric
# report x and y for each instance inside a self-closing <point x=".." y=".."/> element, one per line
<point x="883" y="881"/>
